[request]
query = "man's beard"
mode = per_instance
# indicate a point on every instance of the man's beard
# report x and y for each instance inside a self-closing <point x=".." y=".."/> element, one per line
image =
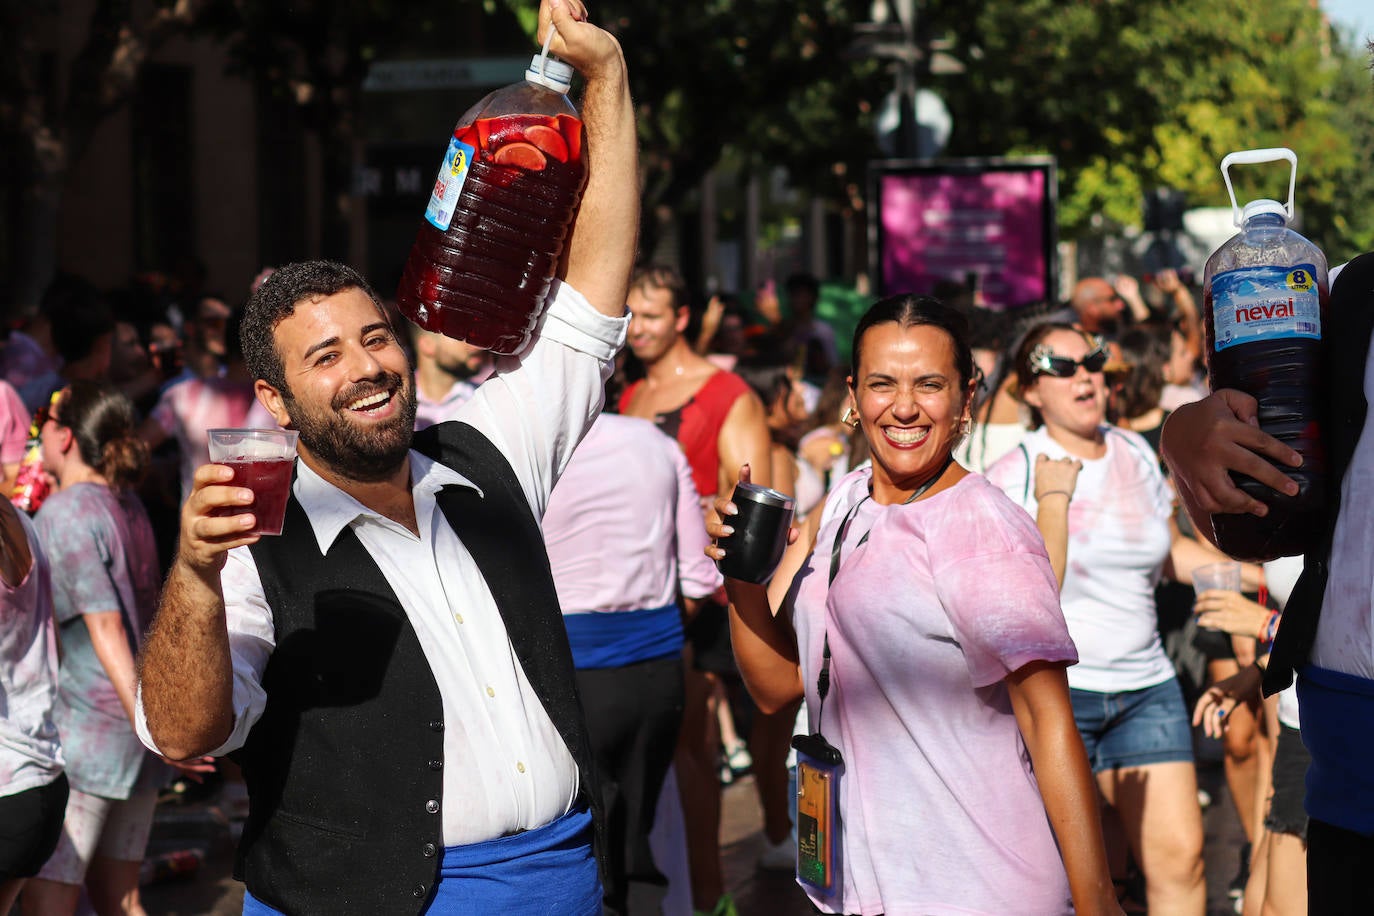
<point x="462" y="369"/>
<point x="365" y="454"/>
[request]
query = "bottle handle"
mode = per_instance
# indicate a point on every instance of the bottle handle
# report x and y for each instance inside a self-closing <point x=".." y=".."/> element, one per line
<point x="1251" y="157"/>
<point x="544" y="53"/>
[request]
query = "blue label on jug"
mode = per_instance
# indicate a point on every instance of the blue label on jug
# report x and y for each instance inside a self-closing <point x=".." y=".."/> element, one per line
<point x="1265" y="303"/>
<point x="452" y="174"/>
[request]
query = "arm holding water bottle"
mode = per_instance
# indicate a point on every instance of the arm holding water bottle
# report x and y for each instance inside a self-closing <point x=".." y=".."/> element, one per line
<point x="1204" y="442"/>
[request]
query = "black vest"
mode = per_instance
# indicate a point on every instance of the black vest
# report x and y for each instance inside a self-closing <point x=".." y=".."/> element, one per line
<point x="1345" y="348"/>
<point x="345" y="767"/>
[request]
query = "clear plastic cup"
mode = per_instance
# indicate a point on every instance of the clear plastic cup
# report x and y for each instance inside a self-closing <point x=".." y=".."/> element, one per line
<point x="1223" y="576"/>
<point x="261" y="460"/>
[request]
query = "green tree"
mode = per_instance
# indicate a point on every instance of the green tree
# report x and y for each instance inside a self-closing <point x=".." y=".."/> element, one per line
<point x="1130" y="94"/>
<point x="772" y="81"/>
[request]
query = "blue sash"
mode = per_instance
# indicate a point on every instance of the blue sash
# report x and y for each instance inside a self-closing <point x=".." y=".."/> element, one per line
<point x="1336" y="710"/>
<point x="549" y="870"/>
<point x="614" y="639"/>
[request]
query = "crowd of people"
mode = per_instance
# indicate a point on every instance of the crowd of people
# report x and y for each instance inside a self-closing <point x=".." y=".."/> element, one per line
<point x="489" y="666"/>
<point x="1063" y="422"/>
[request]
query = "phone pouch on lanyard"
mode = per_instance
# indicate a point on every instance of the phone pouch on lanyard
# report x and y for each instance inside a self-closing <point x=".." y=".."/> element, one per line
<point x="819" y="766"/>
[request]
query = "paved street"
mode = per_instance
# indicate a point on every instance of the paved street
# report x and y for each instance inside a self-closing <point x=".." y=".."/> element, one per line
<point x="212" y="892"/>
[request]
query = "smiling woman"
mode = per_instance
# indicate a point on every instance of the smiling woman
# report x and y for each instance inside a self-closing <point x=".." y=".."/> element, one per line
<point x="925" y="621"/>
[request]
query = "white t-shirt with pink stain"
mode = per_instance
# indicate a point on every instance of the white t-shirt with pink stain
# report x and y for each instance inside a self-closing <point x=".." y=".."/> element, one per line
<point x="190" y="408"/>
<point x="1118" y="542"/>
<point x="940" y="811"/>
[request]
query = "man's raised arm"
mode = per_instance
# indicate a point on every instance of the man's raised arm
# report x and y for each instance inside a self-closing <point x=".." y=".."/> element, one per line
<point x="601" y="251"/>
<point x="186" y="675"/>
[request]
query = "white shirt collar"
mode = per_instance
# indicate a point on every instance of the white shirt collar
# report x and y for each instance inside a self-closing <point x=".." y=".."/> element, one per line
<point x="330" y="509"/>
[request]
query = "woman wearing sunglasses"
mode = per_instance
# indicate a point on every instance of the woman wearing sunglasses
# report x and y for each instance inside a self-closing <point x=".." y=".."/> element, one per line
<point x="1104" y="508"/>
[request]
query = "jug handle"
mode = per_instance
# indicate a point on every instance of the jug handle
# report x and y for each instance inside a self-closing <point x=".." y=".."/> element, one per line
<point x="1251" y="157"/>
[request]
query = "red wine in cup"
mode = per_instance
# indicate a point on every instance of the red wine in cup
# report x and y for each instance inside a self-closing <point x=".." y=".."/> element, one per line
<point x="270" y="481"/>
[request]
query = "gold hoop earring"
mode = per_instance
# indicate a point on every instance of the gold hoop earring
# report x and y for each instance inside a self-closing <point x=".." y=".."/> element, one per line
<point x="850" y="418"/>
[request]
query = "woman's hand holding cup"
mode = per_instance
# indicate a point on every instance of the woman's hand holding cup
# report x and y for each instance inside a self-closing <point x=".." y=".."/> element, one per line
<point x="758" y="545"/>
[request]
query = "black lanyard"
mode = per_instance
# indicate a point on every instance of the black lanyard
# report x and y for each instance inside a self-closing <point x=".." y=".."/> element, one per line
<point x="823" y="679"/>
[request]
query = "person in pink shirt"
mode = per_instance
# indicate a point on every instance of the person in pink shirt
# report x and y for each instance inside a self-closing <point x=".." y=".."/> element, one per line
<point x="213" y="396"/>
<point x="14" y="435"/>
<point x="927" y="597"/>
<point x="625" y="537"/>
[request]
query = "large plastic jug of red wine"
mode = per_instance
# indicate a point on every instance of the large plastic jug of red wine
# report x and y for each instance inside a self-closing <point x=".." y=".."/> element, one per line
<point x="1265" y="296"/>
<point x="499" y="214"/>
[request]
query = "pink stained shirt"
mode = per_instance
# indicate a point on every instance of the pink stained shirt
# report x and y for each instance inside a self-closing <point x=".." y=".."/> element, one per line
<point x="190" y="408"/>
<point x="14" y="425"/>
<point x="628" y="490"/>
<point x="939" y="807"/>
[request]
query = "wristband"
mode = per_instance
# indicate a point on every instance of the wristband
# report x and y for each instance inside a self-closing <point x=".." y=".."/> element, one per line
<point x="1065" y="493"/>
<point x="1269" y="628"/>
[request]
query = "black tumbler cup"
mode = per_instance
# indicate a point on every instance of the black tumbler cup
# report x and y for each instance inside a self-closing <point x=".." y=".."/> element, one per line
<point x="753" y="552"/>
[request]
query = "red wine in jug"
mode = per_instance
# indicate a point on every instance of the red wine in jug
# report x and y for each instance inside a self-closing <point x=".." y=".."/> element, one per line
<point x="498" y="217"/>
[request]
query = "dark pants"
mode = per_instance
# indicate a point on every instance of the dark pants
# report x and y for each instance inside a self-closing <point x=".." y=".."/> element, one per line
<point x="633" y="717"/>
<point x="1338" y="881"/>
<point x="30" y="826"/>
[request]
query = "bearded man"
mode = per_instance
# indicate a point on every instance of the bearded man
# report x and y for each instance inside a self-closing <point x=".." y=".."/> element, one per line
<point x="392" y="672"/>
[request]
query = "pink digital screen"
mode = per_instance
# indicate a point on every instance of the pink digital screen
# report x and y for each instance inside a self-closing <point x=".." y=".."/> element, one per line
<point x="992" y="224"/>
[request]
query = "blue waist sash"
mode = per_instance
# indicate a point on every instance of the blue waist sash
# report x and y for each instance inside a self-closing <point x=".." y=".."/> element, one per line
<point x="549" y="870"/>
<point x="613" y="639"/>
<point x="1337" y="711"/>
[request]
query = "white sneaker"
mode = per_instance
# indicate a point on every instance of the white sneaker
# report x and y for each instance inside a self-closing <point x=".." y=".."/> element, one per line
<point x="778" y="856"/>
<point x="739" y="759"/>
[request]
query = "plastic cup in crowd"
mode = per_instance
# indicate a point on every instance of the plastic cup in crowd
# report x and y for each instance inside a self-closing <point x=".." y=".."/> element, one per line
<point x="1223" y="576"/>
<point x="753" y="552"/>
<point x="261" y="460"/>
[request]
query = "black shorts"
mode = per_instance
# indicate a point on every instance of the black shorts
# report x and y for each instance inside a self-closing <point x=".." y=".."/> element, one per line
<point x="1286" y="813"/>
<point x="709" y="635"/>
<point x="30" y="826"/>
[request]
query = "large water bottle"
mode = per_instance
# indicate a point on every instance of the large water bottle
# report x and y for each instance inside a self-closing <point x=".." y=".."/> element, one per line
<point x="501" y="207"/>
<point x="1265" y="293"/>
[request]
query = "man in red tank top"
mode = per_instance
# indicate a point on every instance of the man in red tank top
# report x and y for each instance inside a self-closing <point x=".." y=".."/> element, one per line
<point x="720" y="424"/>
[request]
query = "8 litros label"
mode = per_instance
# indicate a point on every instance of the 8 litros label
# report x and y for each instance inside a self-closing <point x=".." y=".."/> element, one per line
<point x="1250" y="304"/>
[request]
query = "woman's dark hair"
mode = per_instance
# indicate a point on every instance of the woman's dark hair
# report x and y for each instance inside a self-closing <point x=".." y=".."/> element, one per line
<point x="1025" y="377"/>
<point x="911" y="311"/>
<point x="1145" y="350"/>
<point x="104" y="427"/>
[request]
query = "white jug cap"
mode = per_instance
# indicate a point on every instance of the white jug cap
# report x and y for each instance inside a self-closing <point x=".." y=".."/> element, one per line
<point x="550" y="72"/>
<point x="1261" y="206"/>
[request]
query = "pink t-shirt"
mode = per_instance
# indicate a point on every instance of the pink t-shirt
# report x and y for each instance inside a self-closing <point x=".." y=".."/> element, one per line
<point x="189" y="409"/>
<point x="14" y="425"/>
<point x="623" y="527"/>
<point x="939" y="808"/>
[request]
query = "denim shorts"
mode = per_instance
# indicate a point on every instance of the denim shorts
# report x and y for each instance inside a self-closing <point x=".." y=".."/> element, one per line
<point x="1286" y="814"/>
<point x="1134" y="728"/>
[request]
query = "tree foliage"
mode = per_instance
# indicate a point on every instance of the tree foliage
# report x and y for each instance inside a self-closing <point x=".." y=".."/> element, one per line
<point x="771" y="81"/>
<point x="1132" y="94"/>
